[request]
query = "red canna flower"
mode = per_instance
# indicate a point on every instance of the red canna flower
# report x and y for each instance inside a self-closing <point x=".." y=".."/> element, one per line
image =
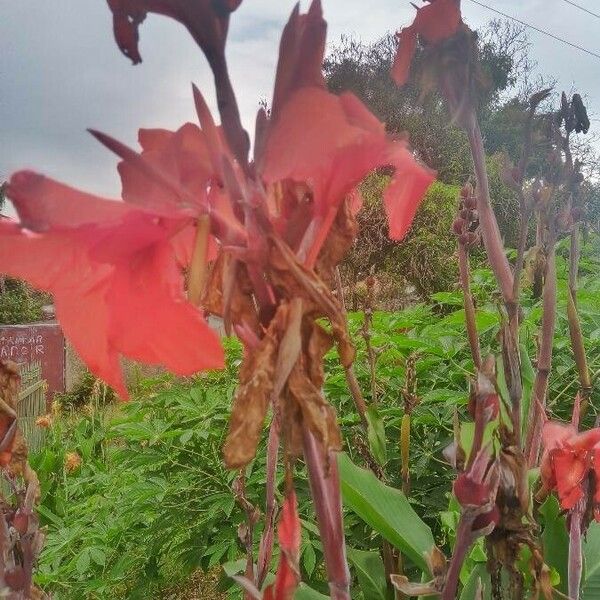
<point x="434" y="23"/>
<point x="568" y="459"/>
<point x="287" y="577"/>
<point x="114" y="272"/>
<point x="337" y="140"/>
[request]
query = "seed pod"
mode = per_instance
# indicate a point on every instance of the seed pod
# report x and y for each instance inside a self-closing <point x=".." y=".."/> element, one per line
<point x="472" y="238"/>
<point x="463" y="238"/>
<point x="458" y="225"/>
<point x="471" y="202"/>
<point x="21" y="522"/>
<point x="15" y="578"/>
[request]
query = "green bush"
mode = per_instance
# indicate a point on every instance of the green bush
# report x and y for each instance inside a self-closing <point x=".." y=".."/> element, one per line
<point x="425" y="258"/>
<point x="19" y="303"/>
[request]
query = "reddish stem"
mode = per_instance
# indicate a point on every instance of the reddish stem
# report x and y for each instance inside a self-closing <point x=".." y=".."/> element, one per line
<point x="544" y="360"/>
<point x="325" y="491"/>
<point x="266" y="542"/>
<point x="487" y="219"/>
<point x="464" y="539"/>
<point x="575" y="566"/>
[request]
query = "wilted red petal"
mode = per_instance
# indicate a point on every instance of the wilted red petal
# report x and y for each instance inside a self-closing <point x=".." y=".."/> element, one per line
<point x="206" y="20"/>
<point x="438" y="20"/>
<point x="435" y="23"/>
<point x="407" y="44"/>
<point x="469" y="492"/>
<point x="408" y="187"/>
<point x="287" y="577"/>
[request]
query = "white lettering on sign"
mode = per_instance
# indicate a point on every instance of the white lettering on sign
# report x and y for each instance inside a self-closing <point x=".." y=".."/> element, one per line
<point x="22" y="347"/>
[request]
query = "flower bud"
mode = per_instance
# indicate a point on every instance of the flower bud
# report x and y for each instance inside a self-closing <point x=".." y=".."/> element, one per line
<point x="466" y="191"/>
<point x="463" y="238"/>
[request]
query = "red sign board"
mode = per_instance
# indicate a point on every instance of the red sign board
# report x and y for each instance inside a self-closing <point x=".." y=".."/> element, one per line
<point x="37" y="342"/>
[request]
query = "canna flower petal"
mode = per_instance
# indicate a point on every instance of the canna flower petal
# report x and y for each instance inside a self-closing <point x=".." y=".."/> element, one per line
<point x="434" y="23"/>
<point x="337" y="143"/>
<point x="570" y="469"/>
<point x="182" y="156"/>
<point x="328" y="142"/>
<point x="114" y="274"/>
<point x="287" y="577"/>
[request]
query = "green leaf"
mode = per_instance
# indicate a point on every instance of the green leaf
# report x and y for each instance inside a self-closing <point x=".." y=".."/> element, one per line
<point x="590" y="588"/>
<point x="479" y="573"/>
<point x="528" y="379"/>
<point x="386" y="510"/>
<point x="309" y="558"/>
<point x="98" y="556"/>
<point x="305" y="593"/>
<point x="376" y="435"/>
<point x="555" y="540"/>
<point x="234" y="567"/>
<point x="83" y="562"/>
<point x="370" y="571"/>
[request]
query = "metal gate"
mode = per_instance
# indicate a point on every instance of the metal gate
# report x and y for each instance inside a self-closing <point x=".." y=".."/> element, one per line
<point x="32" y="404"/>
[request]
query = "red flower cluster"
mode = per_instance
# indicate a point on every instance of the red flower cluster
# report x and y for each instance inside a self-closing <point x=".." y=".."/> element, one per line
<point x="569" y="458"/>
<point x="116" y="268"/>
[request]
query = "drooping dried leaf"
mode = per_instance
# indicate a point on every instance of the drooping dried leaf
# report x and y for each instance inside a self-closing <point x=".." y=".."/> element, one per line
<point x="253" y="394"/>
<point x="338" y="243"/>
<point x="293" y="279"/>
<point x="316" y="413"/>
<point x="10" y="438"/>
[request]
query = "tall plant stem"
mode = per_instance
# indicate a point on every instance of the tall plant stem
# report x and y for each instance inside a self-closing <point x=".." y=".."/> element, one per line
<point x="469" y="306"/>
<point x="487" y="219"/>
<point x="266" y="543"/>
<point x="544" y="359"/>
<point x="575" y="566"/>
<point x="464" y="539"/>
<point x="507" y="281"/>
<point x="324" y="482"/>
<point x="577" y="343"/>
<point x="351" y="379"/>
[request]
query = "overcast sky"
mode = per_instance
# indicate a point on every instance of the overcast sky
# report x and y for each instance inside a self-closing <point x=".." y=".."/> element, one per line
<point x="61" y="72"/>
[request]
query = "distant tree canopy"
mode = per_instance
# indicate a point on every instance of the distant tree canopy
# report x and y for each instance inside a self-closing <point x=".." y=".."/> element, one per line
<point x="509" y="79"/>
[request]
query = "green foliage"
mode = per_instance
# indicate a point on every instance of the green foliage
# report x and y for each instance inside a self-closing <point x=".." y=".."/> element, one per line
<point x="19" y="303"/>
<point x="152" y="501"/>
<point x="88" y="389"/>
